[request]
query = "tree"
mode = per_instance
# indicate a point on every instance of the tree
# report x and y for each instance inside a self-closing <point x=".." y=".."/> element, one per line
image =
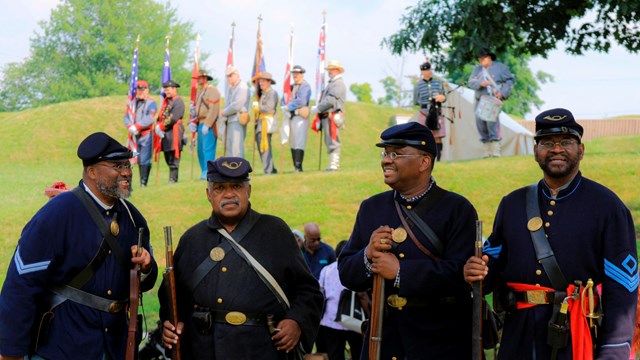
<point x="362" y="92"/>
<point x="393" y="94"/>
<point x="85" y="50"/>
<point x="454" y="31"/>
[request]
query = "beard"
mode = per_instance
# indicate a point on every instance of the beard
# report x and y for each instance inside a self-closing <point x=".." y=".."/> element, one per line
<point x="112" y="189"/>
<point x="558" y="172"/>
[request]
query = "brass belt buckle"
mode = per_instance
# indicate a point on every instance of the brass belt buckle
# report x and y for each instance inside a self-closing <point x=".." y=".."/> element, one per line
<point x="537" y="297"/>
<point x="235" y="318"/>
<point x="396" y="301"/>
<point x="115" y="307"/>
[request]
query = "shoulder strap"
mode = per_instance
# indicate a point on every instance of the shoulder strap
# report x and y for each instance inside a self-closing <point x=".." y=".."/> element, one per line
<point x="101" y="224"/>
<point x="544" y="253"/>
<point x="263" y="274"/>
<point x="429" y="202"/>
<point x="209" y="264"/>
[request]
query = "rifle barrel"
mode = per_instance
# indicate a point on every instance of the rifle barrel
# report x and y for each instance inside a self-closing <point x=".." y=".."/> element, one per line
<point x="476" y="334"/>
<point x="377" y="311"/>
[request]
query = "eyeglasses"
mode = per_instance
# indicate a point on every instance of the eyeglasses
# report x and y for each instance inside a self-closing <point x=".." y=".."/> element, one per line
<point x="120" y="167"/>
<point x="564" y="143"/>
<point x="142" y="88"/>
<point x="393" y="155"/>
<point x="315" y="239"/>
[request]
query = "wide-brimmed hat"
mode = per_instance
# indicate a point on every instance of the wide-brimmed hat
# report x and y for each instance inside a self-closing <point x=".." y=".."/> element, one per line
<point x="230" y="70"/>
<point x="334" y="64"/>
<point x="264" y="75"/>
<point x="557" y="122"/>
<point x="486" y="52"/>
<point x="203" y="73"/>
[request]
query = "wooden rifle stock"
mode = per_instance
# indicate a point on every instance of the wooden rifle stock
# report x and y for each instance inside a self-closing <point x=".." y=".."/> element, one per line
<point x="134" y="302"/>
<point x="476" y="332"/>
<point x="170" y="286"/>
<point x="377" y="312"/>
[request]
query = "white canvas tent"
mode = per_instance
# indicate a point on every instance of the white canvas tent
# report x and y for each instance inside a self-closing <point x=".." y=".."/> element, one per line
<point x="463" y="142"/>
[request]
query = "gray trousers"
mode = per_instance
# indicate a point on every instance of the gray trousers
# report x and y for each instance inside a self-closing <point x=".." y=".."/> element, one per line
<point x="299" y="129"/>
<point x="235" y="135"/>
<point x="266" y="156"/>
<point x="333" y="146"/>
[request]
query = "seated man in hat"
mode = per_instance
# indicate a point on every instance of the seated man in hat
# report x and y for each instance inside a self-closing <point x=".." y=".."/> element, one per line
<point x="417" y="237"/>
<point x="207" y="109"/>
<point x="266" y="120"/>
<point x="547" y="237"/>
<point x="169" y="129"/>
<point x="228" y="309"/>
<point x="69" y="275"/>
<point x="493" y="79"/>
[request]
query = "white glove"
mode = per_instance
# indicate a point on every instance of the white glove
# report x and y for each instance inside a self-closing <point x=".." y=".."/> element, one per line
<point x="205" y="130"/>
<point x="193" y="127"/>
<point x="314" y="110"/>
<point x="159" y="131"/>
<point x="133" y="130"/>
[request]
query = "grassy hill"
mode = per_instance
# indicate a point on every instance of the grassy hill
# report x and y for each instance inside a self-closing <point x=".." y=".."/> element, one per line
<point x="40" y="148"/>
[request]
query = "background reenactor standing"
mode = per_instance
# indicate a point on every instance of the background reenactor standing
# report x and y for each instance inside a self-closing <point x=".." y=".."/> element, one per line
<point x="206" y="113"/>
<point x="298" y="111"/>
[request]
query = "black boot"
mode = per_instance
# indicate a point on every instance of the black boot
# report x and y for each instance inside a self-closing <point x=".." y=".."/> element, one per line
<point x="293" y="159"/>
<point x="300" y="158"/>
<point x="144" y="174"/>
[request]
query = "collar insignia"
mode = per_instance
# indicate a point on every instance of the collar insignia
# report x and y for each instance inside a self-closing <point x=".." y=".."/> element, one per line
<point x="555" y="117"/>
<point x="233" y="165"/>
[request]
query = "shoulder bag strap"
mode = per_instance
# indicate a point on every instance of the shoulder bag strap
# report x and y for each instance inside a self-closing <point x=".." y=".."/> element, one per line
<point x="428" y="203"/>
<point x="263" y="274"/>
<point x="544" y="253"/>
<point x="209" y="264"/>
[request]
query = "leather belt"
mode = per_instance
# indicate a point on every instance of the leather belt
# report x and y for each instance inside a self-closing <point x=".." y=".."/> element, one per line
<point x="238" y="318"/>
<point x="537" y="297"/>
<point x="88" y="299"/>
<point x="399" y="302"/>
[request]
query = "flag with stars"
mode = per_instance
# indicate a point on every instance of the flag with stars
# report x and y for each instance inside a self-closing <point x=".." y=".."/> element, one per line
<point x="131" y="103"/>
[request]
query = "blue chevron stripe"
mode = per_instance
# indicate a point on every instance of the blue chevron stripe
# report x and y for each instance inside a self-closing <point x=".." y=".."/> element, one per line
<point x="621" y="275"/>
<point x="493" y="252"/>
<point x="23" y="268"/>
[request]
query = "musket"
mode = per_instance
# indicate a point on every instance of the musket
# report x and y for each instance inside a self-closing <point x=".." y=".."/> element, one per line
<point x="169" y="280"/>
<point x="377" y="312"/>
<point x="134" y="302"/>
<point x="476" y="329"/>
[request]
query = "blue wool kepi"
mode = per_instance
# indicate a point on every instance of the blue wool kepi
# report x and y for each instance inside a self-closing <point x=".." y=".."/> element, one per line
<point x="228" y="169"/>
<point x="102" y="147"/>
<point x="409" y="134"/>
<point x="557" y="122"/>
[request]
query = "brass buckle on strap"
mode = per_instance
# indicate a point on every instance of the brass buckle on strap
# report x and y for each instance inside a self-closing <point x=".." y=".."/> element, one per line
<point x="537" y="297"/>
<point x="115" y="307"/>
<point x="235" y="318"/>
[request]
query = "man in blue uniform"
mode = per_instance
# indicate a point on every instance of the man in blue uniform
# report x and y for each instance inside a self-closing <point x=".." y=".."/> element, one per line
<point x="428" y="307"/>
<point x="317" y="254"/>
<point x="73" y="260"/>
<point x="243" y="289"/>
<point x="582" y="232"/>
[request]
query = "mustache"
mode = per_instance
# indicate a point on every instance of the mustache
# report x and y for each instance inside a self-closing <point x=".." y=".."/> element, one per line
<point x="229" y="201"/>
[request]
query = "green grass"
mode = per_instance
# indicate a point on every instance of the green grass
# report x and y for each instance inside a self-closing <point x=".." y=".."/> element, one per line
<point x="40" y="148"/>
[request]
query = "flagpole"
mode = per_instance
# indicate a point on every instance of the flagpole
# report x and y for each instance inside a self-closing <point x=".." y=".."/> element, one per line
<point x="320" y="75"/>
<point x="194" y="85"/>
<point x="230" y="54"/>
<point x="164" y="102"/>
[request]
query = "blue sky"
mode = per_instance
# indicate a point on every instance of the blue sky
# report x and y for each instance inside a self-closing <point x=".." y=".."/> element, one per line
<point x="591" y="86"/>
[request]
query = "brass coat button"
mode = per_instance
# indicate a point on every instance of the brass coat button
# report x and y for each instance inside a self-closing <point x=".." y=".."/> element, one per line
<point x="550" y="212"/>
<point x="538" y="272"/>
<point x="547" y="224"/>
<point x="219" y="300"/>
<point x="108" y="292"/>
<point x="552" y="202"/>
<point x="401" y="256"/>
<point x="224" y="269"/>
